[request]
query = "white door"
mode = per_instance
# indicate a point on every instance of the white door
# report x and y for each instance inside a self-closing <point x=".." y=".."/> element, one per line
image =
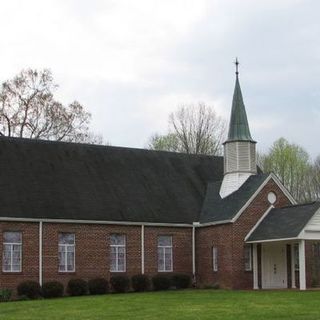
<point x="274" y="266"/>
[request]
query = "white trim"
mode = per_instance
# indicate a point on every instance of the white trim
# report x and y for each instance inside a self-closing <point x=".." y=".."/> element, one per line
<point x="117" y="246"/>
<point x="40" y="253"/>
<point x="255" y="266"/>
<point x="309" y="235"/>
<point x="164" y="254"/>
<point x="235" y="218"/>
<point x="248" y="249"/>
<point x="258" y="223"/>
<point x="142" y="249"/>
<point x="278" y="183"/>
<point x="215" y="263"/>
<point x="302" y="265"/>
<point x="273" y="240"/>
<point x="304" y="232"/>
<point x="66" y="246"/>
<point x="208" y="224"/>
<point x="12" y="244"/>
<point x="129" y="223"/>
<point x="293" y="269"/>
<point x="283" y="188"/>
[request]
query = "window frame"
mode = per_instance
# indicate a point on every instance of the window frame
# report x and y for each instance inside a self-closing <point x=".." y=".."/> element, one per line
<point x="12" y="244"/>
<point x="215" y="266"/>
<point x="66" y="246"/>
<point x="165" y="248"/>
<point x="117" y="246"/>
<point x="247" y="264"/>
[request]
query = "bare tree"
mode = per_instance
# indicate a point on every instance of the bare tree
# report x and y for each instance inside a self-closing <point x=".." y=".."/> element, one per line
<point x="28" y="109"/>
<point x="192" y="129"/>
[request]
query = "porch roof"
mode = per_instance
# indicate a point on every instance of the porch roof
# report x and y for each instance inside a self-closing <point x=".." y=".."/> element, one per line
<point x="284" y="223"/>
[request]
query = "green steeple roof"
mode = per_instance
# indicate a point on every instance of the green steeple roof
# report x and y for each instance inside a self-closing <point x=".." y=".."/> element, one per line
<point x="238" y="127"/>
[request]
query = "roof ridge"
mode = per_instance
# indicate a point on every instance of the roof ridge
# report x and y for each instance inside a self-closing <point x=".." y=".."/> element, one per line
<point x="43" y="141"/>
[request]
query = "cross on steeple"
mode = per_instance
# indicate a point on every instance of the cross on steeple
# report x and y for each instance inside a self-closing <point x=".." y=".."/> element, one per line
<point x="237" y="66"/>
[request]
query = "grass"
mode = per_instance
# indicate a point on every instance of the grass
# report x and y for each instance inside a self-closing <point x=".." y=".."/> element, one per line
<point x="188" y="304"/>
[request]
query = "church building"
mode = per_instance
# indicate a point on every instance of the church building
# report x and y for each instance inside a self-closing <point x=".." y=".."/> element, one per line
<point x="73" y="210"/>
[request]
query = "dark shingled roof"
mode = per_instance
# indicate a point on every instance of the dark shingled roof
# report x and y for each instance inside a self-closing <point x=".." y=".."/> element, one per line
<point x="217" y="209"/>
<point x="42" y="179"/>
<point x="286" y="222"/>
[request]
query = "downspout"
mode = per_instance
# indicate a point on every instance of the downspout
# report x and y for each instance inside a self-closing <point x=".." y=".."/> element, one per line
<point x="40" y="253"/>
<point x="142" y="249"/>
<point x="194" y="254"/>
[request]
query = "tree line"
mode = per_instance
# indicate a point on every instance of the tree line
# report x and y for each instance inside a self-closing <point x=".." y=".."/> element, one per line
<point x="197" y="129"/>
<point x="29" y="109"/>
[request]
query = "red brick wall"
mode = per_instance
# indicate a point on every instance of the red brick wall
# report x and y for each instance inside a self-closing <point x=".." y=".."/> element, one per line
<point x="92" y="251"/>
<point x="229" y="240"/>
<point x="206" y="238"/>
<point x="92" y="248"/>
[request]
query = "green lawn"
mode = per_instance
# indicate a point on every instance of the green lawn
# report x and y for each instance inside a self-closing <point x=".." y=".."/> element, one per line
<point x="189" y="304"/>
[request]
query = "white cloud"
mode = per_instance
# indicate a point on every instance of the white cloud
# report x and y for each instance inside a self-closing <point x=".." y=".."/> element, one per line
<point x="132" y="62"/>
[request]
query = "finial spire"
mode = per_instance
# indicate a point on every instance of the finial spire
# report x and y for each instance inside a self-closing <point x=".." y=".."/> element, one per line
<point x="237" y="66"/>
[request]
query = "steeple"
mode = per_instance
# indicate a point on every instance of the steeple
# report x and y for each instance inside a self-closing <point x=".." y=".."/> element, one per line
<point x="239" y="148"/>
<point x="238" y="127"/>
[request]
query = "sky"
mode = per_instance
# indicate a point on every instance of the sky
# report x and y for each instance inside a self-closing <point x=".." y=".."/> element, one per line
<point x="132" y="63"/>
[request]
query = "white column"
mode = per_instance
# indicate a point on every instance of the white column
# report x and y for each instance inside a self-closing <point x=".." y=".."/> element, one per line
<point x="293" y="269"/>
<point x="142" y="249"/>
<point x="302" y="265"/>
<point x="255" y="266"/>
<point x="40" y="253"/>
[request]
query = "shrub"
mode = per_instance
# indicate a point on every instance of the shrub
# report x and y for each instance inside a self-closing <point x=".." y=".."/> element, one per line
<point x="161" y="282"/>
<point x="77" y="287"/>
<point x="52" y="289"/>
<point x="120" y="283"/>
<point x="98" y="286"/>
<point x="140" y="282"/>
<point x="181" y="281"/>
<point x="212" y="286"/>
<point x="30" y="289"/>
<point x="5" y="295"/>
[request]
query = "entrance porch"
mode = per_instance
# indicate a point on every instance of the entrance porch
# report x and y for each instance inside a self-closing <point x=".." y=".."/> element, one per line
<point x="286" y="247"/>
<point x="280" y="265"/>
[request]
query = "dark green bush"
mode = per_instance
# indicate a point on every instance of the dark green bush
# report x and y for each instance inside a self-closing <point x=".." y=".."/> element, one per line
<point x="52" y="289"/>
<point x="120" y="283"/>
<point x="161" y="282"/>
<point x="77" y="287"/>
<point x="5" y="295"/>
<point x="98" y="286"/>
<point x="30" y="289"/>
<point x="181" y="281"/>
<point x="140" y="282"/>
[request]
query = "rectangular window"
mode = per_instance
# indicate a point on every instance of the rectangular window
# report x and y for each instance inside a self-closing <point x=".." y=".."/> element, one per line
<point x="66" y="252"/>
<point x="165" y="254"/>
<point x="248" y="257"/>
<point x="12" y="252"/>
<point x="118" y="253"/>
<point x="215" y="259"/>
